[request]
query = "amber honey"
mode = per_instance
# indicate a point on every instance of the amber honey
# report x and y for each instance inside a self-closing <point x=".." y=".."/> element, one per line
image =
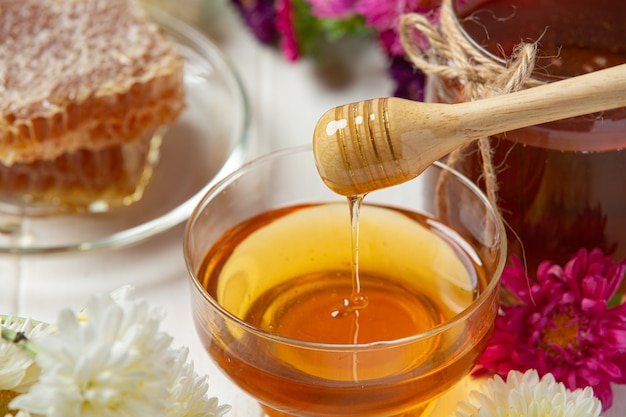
<point x="81" y="181"/>
<point x="559" y="184"/>
<point x="288" y="272"/>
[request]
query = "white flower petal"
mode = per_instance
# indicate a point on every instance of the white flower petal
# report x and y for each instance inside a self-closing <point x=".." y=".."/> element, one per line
<point x="111" y="360"/>
<point x="525" y="395"/>
<point x="188" y="392"/>
<point x="18" y="370"/>
<point x="116" y="361"/>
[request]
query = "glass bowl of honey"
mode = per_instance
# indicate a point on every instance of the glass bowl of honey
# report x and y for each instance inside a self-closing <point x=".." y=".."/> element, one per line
<point x="207" y="141"/>
<point x="318" y="307"/>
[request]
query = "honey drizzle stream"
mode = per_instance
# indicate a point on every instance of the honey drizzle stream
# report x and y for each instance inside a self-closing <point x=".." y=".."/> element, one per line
<point x="357" y="301"/>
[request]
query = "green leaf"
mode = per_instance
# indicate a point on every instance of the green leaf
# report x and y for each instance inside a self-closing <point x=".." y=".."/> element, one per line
<point x="616" y="300"/>
<point x="355" y="26"/>
<point x="311" y="32"/>
<point x="307" y="27"/>
<point x="17" y="338"/>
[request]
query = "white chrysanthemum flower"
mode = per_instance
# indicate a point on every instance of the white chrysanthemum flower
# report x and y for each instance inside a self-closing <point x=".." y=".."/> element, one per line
<point x="525" y="395"/>
<point x="109" y="360"/>
<point x="188" y="392"/>
<point x="18" y="370"/>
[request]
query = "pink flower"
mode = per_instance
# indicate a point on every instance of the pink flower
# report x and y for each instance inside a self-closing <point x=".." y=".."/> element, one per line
<point x="332" y="9"/>
<point x="564" y="324"/>
<point x="385" y="17"/>
<point x="285" y="27"/>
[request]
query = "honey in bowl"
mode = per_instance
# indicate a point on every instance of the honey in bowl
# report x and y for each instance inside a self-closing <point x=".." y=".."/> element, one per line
<point x="294" y="266"/>
<point x="276" y="307"/>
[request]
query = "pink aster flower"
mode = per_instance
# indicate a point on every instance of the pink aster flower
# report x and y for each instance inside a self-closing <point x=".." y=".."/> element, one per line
<point x="384" y="16"/>
<point x="285" y="28"/>
<point x="332" y="9"/>
<point x="564" y="324"/>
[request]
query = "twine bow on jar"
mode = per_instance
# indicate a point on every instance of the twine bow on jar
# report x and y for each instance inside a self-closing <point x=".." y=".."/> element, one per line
<point x="445" y="52"/>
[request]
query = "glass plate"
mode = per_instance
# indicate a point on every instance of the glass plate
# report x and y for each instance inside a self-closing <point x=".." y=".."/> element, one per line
<point x="208" y="141"/>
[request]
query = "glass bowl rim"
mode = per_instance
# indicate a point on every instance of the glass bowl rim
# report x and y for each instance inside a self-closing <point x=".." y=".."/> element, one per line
<point x="492" y="286"/>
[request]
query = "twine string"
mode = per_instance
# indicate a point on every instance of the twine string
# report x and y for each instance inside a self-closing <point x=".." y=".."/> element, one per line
<point x="445" y="53"/>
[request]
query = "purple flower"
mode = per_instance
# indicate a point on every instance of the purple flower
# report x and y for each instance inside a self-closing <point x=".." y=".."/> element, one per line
<point x="409" y="80"/>
<point x="564" y="324"/>
<point x="299" y="25"/>
<point x="259" y="15"/>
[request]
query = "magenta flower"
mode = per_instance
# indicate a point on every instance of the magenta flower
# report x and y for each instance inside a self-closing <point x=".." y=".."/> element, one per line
<point x="332" y="9"/>
<point x="384" y="16"/>
<point x="302" y="27"/>
<point x="285" y="27"/>
<point x="564" y="324"/>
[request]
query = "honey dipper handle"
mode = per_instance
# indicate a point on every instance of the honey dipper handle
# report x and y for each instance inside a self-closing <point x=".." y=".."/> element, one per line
<point x="372" y="144"/>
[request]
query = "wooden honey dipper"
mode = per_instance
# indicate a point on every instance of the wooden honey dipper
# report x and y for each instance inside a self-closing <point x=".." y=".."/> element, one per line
<point x="372" y="144"/>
